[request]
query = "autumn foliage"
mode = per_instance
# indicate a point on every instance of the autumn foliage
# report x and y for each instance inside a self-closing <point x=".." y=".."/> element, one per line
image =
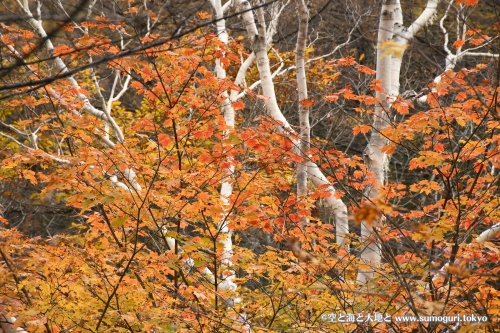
<point x="130" y="153"/>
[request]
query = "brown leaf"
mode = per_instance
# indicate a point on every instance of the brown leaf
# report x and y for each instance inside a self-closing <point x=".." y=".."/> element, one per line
<point x="367" y="213"/>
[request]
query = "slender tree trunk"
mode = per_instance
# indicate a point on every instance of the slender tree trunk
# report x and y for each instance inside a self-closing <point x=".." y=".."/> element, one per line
<point x="388" y="72"/>
<point x="226" y="188"/>
<point x="60" y="67"/>
<point x="304" y="135"/>
<point x="338" y="208"/>
<point x="375" y="159"/>
<point x="488" y="234"/>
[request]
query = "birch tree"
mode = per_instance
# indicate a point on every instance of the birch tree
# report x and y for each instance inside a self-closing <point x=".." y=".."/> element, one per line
<point x="393" y="38"/>
<point x="260" y="46"/>
<point x="190" y="149"/>
<point x="304" y="135"/>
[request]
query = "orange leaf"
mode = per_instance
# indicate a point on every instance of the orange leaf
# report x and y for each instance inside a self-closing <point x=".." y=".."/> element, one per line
<point x="331" y="98"/>
<point x="238" y="105"/>
<point x="299" y="253"/>
<point x="459" y="271"/>
<point x="164" y="139"/>
<point x="365" y="69"/>
<point x="307" y="103"/>
<point x="204" y="15"/>
<point x="361" y="129"/>
<point x="458" y="43"/>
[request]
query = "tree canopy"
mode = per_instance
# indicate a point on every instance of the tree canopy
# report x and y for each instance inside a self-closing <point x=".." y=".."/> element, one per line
<point x="249" y="166"/>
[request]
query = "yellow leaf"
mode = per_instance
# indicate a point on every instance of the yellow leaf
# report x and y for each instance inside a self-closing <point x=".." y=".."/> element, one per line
<point x="391" y="48"/>
<point x="119" y="221"/>
<point x="460" y="121"/>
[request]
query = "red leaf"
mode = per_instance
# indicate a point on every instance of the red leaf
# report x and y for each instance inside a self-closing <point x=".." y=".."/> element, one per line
<point x="164" y="140"/>
<point x="239" y="105"/>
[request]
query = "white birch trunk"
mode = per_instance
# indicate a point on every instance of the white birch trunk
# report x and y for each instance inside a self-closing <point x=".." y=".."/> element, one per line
<point x="260" y="49"/>
<point x="337" y="206"/>
<point x="388" y="72"/>
<point x="488" y="234"/>
<point x="226" y="188"/>
<point x="374" y="157"/>
<point x="60" y="68"/>
<point x="304" y="135"/>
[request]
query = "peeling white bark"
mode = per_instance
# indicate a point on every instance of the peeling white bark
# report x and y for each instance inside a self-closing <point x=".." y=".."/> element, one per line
<point x="305" y="128"/>
<point x="388" y="73"/>
<point x="131" y="177"/>
<point x="246" y="9"/>
<point x="374" y="157"/>
<point x="336" y="205"/>
<point x="260" y="49"/>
